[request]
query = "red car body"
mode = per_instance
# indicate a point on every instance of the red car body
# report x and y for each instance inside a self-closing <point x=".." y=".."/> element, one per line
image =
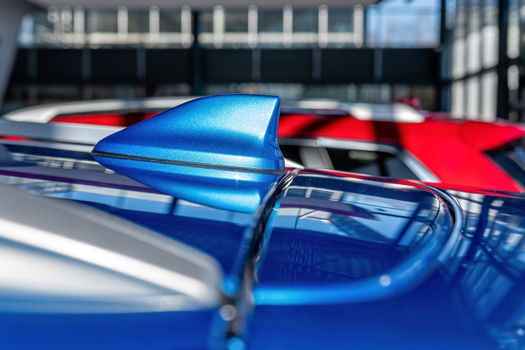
<point x="454" y="150"/>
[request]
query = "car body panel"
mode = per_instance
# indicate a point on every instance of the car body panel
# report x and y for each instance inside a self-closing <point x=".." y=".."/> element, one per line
<point x="473" y="300"/>
<point x="306" y="248"/>
<point x="170" y="330"/>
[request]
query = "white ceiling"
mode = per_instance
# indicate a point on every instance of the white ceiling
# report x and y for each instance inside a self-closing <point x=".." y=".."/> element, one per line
<point x="199" y="4"/>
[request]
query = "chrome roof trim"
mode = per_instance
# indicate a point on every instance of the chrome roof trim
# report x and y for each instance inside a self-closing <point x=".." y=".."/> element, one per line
<point x="79" y="134"/>
<point x="459" y="221"/>
<point x="364" y="111"/>
<point x="46" y="112"/>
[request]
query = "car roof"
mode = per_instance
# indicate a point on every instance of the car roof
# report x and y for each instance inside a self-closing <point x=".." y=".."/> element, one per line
<point x="363" y="111"/>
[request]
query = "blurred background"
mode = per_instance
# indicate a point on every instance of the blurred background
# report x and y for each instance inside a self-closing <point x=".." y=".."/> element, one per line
<point x="459" y="56"/>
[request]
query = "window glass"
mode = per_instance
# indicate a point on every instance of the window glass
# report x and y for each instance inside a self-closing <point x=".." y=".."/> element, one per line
<point x="169" y="21"/>
<point x="270" y="21"/>
<point x="305" y="21"/>
<point x="236" y="21"/>
<point x="206" y="19"/>
<point x="356" y="161"/>
<point x="340" y="20"/>
<point x="44" y="22"/>
<point x="138" y="21"/>
<point x="512" y="159"/>
<point x="413" y="23"/>
<point x="291" y="153"/>
<point x="372" y="163"/>
<point x="396" y="168"/>
<point x="310" y="157"/>
<point x="102" y="21"/>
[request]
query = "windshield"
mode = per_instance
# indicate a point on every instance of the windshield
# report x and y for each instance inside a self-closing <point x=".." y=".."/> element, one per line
<point x="511" y="158"/>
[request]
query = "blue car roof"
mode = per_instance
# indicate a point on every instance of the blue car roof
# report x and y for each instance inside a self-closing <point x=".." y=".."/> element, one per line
<point x="340" y="260"/>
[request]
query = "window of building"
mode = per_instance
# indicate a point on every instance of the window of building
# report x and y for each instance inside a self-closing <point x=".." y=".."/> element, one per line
<point x="412" y="23"/>
<point x="169" y="21"/>
<point x="305" y="21"/>
<point x="270" y="21"/>
<point x="102" y="21"/>
<point x="340" y="20"/>
<point x="44" y="22"/>
<point x="236" y="21"/>
<point x="138" y="21"/>
<point x="206" y="22"/>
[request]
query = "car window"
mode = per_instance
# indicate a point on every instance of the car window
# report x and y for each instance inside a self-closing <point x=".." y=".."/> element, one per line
<point x="373" y="163"/>
<point x="511" y="158"/>
<point x="310" y="157"/>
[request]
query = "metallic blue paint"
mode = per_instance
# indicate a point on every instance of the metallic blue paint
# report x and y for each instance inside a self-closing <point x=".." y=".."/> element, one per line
<point x="169" y="330"/>
<point x="418" y="261"/>
<point x="327" y="232"/>
<point x="470" y="297"/>
<point x="220" y="151"/>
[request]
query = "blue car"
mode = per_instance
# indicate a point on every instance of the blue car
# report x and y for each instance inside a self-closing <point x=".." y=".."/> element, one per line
<point x="188" y="231"/>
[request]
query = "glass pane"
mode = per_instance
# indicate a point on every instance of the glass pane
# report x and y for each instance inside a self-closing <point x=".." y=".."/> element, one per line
<point x="412" y="23"/>
<point x="305" y="21"/>
<point x="206" y="19"/>
<point x="169" y="21"/>
<point x="236" y="21"/>
<point x="340" y="20"/>
<point x="102" y="21"/>
<point x="270" y="21"/>
<point x="512" y="159"/>
<point x="291" y="153"/>
<point x="370" y="163"/>
<point x="138" y="22"/>
<point x="43" y="22"/>
<point x="397" y="169"/>
<point x="356" y="161"/>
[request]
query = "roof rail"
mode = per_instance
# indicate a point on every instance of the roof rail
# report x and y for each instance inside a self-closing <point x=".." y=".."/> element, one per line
<point x="46" y="112"/>
<point x="79" y="134"/>
<point x="364" y="111"/>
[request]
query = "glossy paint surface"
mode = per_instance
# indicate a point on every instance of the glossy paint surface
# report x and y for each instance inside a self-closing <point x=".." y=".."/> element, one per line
<point x="317" y="254"/>
<point x="217" y="232"/>
<point x="451" y="149"/>
<point x="329" y="232"/>
<point x="227" y="130"/>
<point x="175" y="330"/>
<point x="220" y="150"/>
<point x="473" y="298"/>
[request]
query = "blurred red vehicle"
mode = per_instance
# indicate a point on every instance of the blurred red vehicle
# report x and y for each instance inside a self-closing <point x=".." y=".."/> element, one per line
<point x="454" y="152"/>
<point x="391" y="140"/>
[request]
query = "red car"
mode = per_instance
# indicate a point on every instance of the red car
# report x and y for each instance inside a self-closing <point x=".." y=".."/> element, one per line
<point x="382" y="140"/>
<point x="455" y="152"/>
